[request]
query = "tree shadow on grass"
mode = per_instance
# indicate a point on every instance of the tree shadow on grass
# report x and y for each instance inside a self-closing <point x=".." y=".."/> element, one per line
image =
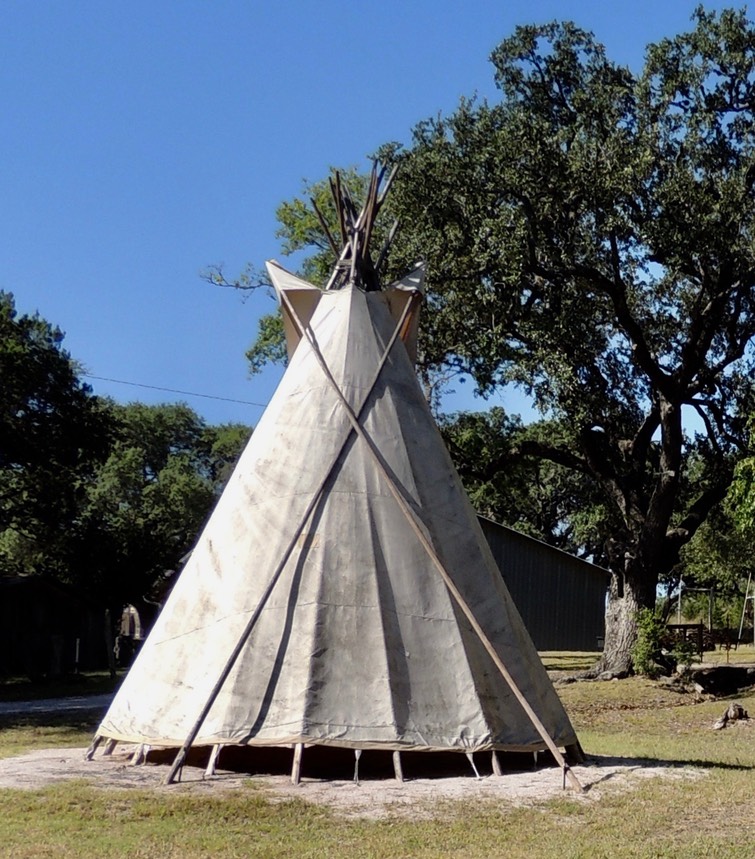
<point x="645" y="764"/>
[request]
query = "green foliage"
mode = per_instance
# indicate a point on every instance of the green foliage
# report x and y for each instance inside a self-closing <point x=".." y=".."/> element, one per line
<point x="53" y="434"/>
<point x="537" y="497"/>
<point x="656" y="651"/>
<point x="150" y="497"/>
<point x="684" y="652"/>
<point x="269" y="347"/>
<point x="740" y="501"/>
<point x="104" y="496"/>
<point x="481" y="445"/>
<point x="221" y="447"/>
<point x="581" y="213"/>
<point x="718" y="557"/>
<point x="647" y="647"/>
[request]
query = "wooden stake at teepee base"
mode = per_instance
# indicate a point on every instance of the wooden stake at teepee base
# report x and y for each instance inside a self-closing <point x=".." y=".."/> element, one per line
<point x="296" y="768"/>
<point x="398" y="770"/>
<point x="357" y="756"/>
<point x="89" y="754"/>
<point x="213" y="761"/>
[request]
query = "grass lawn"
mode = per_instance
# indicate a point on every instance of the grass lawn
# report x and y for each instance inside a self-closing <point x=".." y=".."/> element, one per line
<point x="709" y="816"/>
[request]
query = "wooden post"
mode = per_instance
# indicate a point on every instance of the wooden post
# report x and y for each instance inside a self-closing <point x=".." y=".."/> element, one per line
<point x="575" y="753"/>
<point x="357" y="755"/>
<point x="496" y="763"/>
<point x="109" y="746"/>
<point x="470" y="758"/>
<point x="140" y="755"/>
<point x="212" y="763"/>
<point x="296" y="768"/>
<point x="89" y="754"/>
<point x="397" y="768"/>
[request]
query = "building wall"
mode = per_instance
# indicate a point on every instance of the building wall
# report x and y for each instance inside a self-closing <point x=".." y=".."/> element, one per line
<point x="561" y="598"/>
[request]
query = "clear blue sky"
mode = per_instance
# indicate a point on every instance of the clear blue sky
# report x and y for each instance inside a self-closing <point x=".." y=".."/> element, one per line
<point x="142" y="141"/>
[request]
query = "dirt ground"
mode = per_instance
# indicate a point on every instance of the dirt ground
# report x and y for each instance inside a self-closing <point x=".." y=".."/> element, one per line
<point x="369" y="798"/>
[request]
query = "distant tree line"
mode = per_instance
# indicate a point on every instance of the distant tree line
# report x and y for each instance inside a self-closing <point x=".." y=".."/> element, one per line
<point x="103" y="496"/>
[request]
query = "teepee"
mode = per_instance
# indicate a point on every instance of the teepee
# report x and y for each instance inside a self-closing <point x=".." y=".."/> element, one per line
<point x="342" y="593"/>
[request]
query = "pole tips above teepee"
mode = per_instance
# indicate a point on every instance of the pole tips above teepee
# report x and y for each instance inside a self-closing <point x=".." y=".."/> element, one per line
<point x="354" y="262"/>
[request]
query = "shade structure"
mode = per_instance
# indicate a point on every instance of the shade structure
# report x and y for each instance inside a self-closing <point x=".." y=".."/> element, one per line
<point x="322" y="569"/>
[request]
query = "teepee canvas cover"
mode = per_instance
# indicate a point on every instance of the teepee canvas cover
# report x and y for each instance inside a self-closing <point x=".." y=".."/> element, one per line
<point x="359" y="642"/>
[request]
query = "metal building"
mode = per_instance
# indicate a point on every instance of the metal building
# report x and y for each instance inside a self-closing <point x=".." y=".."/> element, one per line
<point x="560" y="597"/>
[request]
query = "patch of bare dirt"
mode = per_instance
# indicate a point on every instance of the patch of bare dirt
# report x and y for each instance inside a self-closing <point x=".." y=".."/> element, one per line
<point x="369" y="798"/>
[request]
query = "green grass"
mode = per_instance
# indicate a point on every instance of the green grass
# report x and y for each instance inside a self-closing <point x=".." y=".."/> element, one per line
<point x="582" y="661"/>
<point x="19" y="734"/>
<point x="639" y="718"/>
<point x="633" y="719"/>
<point x="745" y="653"/>
<point x="564" y="660"/>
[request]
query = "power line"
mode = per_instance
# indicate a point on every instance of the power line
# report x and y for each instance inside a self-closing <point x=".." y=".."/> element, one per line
<point x="172" y="390"/>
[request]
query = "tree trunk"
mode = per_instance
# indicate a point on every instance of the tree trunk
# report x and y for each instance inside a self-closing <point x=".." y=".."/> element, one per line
<point x="627" y="594"/>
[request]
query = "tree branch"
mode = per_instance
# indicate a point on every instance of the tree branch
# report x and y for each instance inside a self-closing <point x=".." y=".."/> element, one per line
<point x="699" y="510"/>
<point x="567" y="458"/>
<point x="616" y="291"/>
<point x="709" y="431"/>
<point x="248" y="281"/>
<point x="641" y="442"/>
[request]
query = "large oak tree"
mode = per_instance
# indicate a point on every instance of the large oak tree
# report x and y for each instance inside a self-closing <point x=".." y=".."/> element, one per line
<point x="589" y="238"/>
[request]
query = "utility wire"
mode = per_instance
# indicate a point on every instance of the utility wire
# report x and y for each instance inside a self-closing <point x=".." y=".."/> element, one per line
<point x="173" y="390"/>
